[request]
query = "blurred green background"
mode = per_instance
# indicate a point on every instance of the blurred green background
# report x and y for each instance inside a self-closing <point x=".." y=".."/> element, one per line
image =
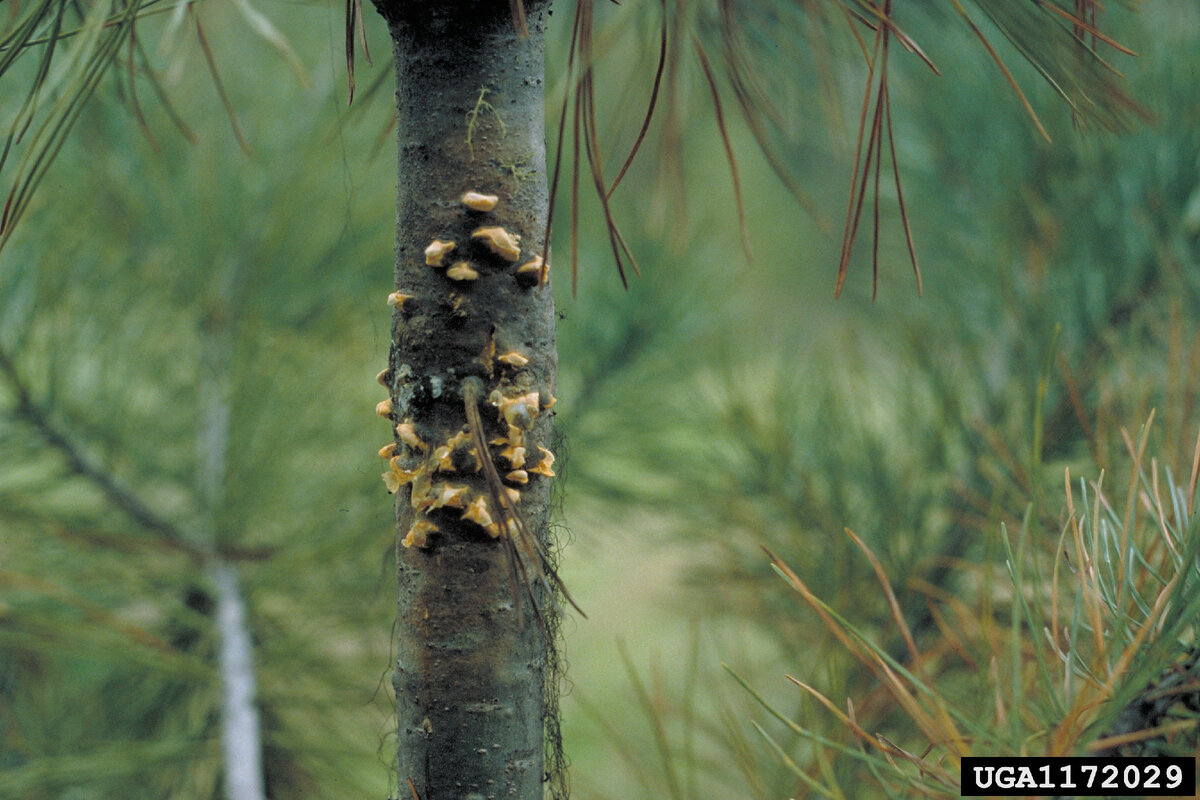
<point x="716" y="406"/>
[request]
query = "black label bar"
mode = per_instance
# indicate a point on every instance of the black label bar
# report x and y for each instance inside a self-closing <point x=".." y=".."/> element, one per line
<point x="1079" y="776"/>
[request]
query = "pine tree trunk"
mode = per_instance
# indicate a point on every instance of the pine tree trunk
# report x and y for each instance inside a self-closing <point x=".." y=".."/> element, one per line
<point x="472" y="654"/>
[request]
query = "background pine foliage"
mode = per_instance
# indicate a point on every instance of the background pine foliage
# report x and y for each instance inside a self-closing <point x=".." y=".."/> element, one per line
<point x="715" y="407"/>
<point x="1060" y="309"/>
<point x="139" y="257"/>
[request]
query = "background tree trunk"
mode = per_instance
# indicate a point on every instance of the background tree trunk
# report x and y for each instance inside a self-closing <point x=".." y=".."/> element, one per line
<point x="472" y="657"/>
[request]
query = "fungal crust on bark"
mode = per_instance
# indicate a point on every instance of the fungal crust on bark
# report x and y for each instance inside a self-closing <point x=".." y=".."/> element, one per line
<point x="471" y="656"/>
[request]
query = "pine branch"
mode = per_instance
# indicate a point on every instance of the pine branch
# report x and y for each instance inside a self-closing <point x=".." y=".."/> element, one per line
<point x="241" y="738"/>
<point x="120" y="495"/>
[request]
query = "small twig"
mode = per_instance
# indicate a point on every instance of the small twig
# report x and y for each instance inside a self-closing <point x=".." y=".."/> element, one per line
<point x="528" y="560"/>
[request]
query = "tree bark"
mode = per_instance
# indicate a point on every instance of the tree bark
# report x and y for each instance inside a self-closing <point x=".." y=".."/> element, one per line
<point x="471" y="653"/>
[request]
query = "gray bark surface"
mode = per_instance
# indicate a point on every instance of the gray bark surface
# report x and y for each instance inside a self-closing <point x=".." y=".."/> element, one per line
<point x="471" y="654"/>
